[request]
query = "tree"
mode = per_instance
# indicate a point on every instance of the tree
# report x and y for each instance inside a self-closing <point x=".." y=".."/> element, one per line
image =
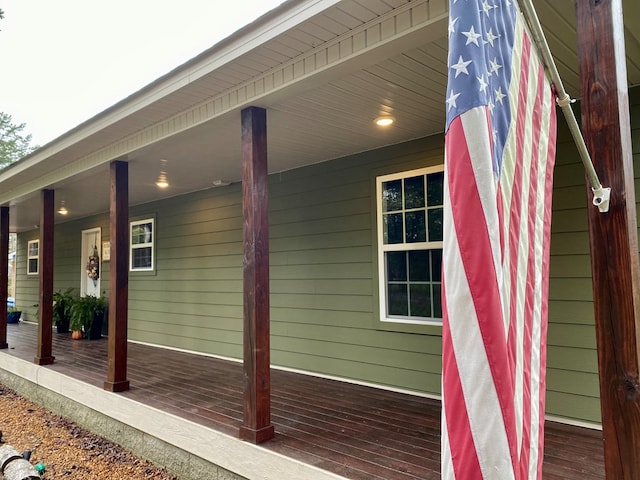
<point x="13" y="144"/>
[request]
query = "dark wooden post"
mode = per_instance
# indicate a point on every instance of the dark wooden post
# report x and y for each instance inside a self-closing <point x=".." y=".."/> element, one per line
<point x="613" y="235"/>
<point x="257" y="426"/>
<point x="4" y="273"/>
<point x="45" y="321"/>
<point x="118" y="279"/>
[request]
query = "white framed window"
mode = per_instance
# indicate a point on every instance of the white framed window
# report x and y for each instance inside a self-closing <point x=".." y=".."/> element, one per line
<point x="142" y="245"/>
<point x="33" y="257"/>
<point x="409" y="215"/>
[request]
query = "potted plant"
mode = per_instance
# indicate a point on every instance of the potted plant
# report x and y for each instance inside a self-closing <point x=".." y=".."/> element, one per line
<point x="13" y="315"/>
<point x="76" y="319"/>
<point x="62" y="303"/>
<point x="87" y="315"/>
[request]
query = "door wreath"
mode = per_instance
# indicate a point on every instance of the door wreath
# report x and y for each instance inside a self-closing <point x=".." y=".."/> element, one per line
<point x="93" y="267"/>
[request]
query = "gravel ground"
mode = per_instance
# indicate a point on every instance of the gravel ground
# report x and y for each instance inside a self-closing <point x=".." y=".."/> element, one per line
<point x="67" y="450"/>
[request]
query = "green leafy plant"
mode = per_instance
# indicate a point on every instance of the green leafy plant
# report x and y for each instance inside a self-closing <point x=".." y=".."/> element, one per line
<point x="62" y="304"/>
<point x="84" y="310"/>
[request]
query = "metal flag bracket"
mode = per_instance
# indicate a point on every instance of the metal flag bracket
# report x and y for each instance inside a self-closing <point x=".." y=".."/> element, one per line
<point x="601" y="195"/>
<point x="601" y="198"/>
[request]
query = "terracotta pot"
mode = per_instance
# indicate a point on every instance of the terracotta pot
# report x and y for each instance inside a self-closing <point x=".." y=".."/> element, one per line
<point x="76" y="335"/>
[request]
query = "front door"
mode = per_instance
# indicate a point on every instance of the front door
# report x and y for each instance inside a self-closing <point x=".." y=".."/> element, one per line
<point x="91" y="263"/>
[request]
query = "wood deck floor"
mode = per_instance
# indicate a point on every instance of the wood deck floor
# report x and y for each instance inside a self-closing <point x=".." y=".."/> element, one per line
<point x="355" y="431"/>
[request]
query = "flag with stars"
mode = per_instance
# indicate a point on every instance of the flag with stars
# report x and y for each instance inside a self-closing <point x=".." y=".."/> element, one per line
<point x="499" y="156"/>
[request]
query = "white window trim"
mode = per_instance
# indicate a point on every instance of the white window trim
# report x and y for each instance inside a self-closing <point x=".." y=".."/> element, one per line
<point x="382" y="248"/>
<point x="151" y="244"/>
<point x="31" y="257"/>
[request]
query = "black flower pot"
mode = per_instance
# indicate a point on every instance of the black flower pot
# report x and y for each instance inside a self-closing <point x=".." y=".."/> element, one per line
<point x="95" y="332"/>
<point x="63" y="326"/>
<point x="13" y="317"/>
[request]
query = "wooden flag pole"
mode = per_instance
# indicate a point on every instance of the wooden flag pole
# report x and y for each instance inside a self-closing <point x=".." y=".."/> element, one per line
<point x="613" y="236"/>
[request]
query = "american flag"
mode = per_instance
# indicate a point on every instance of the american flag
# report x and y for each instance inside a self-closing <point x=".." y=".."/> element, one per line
<point x="499" y="156"/>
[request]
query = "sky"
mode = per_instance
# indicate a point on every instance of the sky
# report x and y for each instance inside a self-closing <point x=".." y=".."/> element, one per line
<point x="65" y="61"/>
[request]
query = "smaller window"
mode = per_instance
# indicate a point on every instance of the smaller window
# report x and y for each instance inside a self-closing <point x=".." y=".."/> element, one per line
<point x="33" y="257"/>
<point x="142" y="245"/>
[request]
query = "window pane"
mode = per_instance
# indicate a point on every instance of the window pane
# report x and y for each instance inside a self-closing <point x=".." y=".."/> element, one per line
<point x="393" y="228"/>
<point x="148" y="233"/>
<point x="419" y="265"/>
<point x="141" y="257"/>
<point x="398" y="303"/>
<point x="414" y="192"/>
<point x="33" y="265"/>
<point x="420" y="300"/>
<point x="437" y="300"/>
<point x="416" y="227"/>
<point x="33" y="249"/>
<point x="436" y="265"/>
<point x="136" y="234"/>
<point x="434" y="188"/>
<point x="141" y="234"/>
<point x="392" y="196"/>
<point x="396" y="267"/>
<point x="435" y="225"/>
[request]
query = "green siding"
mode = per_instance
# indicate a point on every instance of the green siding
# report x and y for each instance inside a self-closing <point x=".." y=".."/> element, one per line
<point x="573" y="406"/>
<point x="27" y="286"/>
<point x="324" y="305"/>
<point x="67" y="263"/>
<point x="572" y="372"/>
<point x="572" y="376"/>
<point x="324" y="276"/>
<point x="194" y="298"/>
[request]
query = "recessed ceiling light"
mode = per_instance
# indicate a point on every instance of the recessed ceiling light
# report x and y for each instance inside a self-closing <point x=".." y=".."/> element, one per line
<point x="384" y="120"/>
<point x="62" y="210"/>
<point x="163" y="181"/>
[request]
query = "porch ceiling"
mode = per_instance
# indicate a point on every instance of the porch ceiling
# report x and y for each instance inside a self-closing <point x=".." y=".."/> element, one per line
<point x="323" y="69"/>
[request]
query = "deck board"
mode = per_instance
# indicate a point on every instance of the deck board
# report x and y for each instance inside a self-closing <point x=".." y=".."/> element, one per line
<point x="355" y="431"/>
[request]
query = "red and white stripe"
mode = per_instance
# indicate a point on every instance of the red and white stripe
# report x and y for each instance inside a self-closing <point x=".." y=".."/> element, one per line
<point x="495" y="283"/>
